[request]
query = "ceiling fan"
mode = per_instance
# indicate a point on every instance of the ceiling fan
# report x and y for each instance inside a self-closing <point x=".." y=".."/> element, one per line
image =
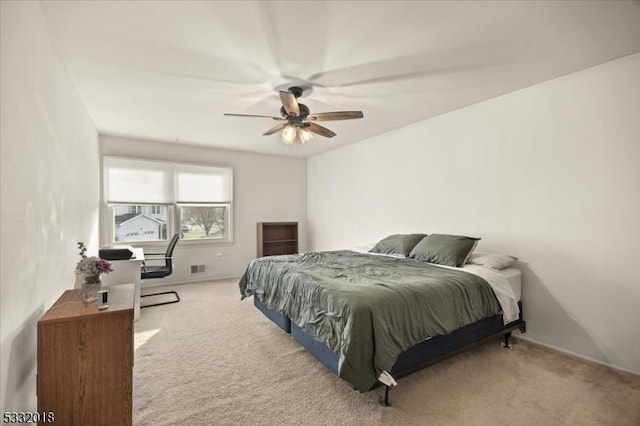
<point x="297" y="120"/>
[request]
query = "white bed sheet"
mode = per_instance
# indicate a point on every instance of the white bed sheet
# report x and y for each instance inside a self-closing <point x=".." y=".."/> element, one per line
<point x="501" y="286"/>
<point x="514" y="276"/>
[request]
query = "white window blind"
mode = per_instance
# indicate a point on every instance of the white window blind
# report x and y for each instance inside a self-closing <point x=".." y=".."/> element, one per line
<point x="139" y="181"/>
<point x="200" y="184"/>
<point x="142" y="181"/>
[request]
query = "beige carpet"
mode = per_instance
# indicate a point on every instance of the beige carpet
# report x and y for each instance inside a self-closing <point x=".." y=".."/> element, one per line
<point x="213" y="360"/>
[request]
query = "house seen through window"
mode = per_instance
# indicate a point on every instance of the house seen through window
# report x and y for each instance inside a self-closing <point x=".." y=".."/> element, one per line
<point x="140" y="222"/>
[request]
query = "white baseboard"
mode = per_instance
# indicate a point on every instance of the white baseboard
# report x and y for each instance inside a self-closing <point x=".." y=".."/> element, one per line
<point x="201" y="280"/>
<point x="575" y="355"/>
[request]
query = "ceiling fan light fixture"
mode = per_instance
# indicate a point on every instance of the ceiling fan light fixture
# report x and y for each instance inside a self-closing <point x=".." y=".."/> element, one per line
<point x="305" y="135"/>
<point x="289" y="135"/>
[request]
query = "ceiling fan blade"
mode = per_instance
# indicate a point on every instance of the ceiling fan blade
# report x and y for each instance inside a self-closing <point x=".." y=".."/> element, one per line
<point x="320" y="130"/>
<point x="289" y="103"/>
<point x="462" y="58"/>
<point x="274" y="129"/>
<point x="253" y="115"/>
<point x="337" y="115"/>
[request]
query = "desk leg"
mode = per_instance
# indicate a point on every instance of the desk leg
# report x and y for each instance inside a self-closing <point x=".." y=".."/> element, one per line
<point x="136" y="304"/>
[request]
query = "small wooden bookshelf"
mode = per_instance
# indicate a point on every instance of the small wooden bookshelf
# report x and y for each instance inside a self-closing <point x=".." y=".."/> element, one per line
<point x="275" y="238"/>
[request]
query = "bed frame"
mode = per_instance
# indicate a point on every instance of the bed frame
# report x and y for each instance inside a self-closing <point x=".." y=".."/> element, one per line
<point x="416" y="357"/>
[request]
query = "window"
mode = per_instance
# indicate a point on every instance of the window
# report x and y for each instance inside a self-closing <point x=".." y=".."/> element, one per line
<point x="139" y="222"/>
<point x="204" y="202"/>
<point x="204" y="221"/>
<point x="152" y="200"/>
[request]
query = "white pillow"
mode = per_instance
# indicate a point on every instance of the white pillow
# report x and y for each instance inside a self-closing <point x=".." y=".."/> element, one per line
<point x="366" y="250"/>
<point x="492" y="260"/>
<point x="363" y="248"/>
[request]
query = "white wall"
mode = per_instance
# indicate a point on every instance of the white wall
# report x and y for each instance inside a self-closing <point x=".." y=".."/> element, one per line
<point x="550" y="174"/>
<point x="50" y="190"/>
<point x="265" y="188"/>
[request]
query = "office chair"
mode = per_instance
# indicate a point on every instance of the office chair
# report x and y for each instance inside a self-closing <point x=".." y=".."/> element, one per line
<point x="153" y="272"/>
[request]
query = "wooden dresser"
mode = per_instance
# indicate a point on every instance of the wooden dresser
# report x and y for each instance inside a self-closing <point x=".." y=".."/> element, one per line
<point x="85" y="359"/>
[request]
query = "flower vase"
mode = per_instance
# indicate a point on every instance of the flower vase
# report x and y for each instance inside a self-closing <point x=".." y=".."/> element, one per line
<point x="91" y="285"/>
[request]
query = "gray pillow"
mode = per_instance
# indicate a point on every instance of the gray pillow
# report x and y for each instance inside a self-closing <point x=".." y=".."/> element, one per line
<point x="399" y="244"/>
<point x="449" y="250"/>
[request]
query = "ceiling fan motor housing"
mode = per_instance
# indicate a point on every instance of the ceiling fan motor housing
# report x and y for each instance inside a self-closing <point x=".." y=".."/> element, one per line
<point x="296" y="91"/>
<point x="304" y="113"/>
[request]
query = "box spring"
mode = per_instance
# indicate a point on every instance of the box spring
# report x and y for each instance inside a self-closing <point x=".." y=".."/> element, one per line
<point x="418" y="356"/>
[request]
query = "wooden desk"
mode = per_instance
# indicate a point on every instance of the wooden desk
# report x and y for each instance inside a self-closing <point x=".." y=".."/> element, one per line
<point x="85" y="359"/>
<point x="127" y="272"/>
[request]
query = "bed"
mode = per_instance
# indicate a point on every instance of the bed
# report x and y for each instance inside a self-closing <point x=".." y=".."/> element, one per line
<point x="372" y="319"/>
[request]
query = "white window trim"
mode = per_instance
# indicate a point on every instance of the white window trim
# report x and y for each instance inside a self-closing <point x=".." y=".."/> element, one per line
<point x="107" y="232"/>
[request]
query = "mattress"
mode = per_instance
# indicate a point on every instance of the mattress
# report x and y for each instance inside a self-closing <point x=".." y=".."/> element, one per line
<point x="514" y="276"/>
<point x="511" y="277"/>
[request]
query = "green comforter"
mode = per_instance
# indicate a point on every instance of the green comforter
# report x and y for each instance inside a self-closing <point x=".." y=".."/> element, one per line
<point x="368" y="309"/>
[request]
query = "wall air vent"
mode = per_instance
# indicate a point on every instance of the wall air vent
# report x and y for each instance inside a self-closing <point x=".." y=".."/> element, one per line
<point x="197" y="269"/>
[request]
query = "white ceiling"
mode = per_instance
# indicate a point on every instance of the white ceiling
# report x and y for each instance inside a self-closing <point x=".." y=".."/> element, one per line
<point x="169" y="70"/>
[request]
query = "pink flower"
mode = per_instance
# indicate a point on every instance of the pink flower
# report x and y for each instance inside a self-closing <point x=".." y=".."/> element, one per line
<point x="103" y="266"/>
<point x="91" y="266"/>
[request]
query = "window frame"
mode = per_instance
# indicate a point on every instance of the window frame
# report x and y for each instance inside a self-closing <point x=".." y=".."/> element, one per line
<point x="174" y="222"/>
